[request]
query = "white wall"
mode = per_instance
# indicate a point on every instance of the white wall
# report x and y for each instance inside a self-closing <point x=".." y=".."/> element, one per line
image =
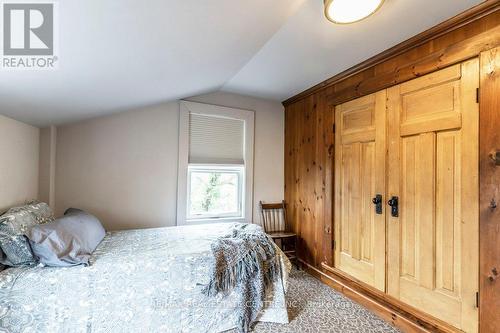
<point x="123" y="167"/>
<point x="19" y="145"/>
<point x="47" y="169"/>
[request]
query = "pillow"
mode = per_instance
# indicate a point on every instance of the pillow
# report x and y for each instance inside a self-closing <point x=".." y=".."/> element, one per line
<point x="67" y="241"/>
<point x="13" y="225"/>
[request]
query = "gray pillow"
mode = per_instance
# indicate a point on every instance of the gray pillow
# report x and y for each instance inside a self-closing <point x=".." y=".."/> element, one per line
<point x="67" y="241"/>
<point x="13" y="225"/>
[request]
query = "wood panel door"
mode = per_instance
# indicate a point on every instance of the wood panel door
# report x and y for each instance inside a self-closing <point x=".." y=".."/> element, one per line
<point x="433" y="168"/>
<point x="359" y="176"/>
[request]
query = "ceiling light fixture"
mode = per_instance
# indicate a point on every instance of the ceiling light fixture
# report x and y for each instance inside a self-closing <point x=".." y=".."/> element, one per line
<point x="349" y="11"/>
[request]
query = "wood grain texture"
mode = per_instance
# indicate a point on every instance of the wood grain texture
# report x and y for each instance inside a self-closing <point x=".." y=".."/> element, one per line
<point x="433" y="244"/>
<point x="309" y="143"/>
<point x="311" y="215"/>
<point x="360" y="160"/>
<point x="308" y="178"/>
<point x="489" y="138"/>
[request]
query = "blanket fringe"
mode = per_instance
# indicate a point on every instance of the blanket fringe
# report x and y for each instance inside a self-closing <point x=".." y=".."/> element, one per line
<point x="247" y="261"/>
<point x="225" y="280"/>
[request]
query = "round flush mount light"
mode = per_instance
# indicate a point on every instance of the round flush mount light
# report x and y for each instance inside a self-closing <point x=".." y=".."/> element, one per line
<point x="350" y="11"/>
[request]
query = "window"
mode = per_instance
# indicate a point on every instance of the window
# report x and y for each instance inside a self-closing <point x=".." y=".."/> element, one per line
<point x="215" y="192"/>
<point x="215" y="164"/>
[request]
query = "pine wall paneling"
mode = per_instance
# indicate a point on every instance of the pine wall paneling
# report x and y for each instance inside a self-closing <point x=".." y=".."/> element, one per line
<point x="489" y="192"/>
<point x="309" y="142"/>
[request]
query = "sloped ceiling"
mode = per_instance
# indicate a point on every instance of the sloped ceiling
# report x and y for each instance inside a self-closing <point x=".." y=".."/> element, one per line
<point x="122" y="54"/>
<point x="308" y="49"/>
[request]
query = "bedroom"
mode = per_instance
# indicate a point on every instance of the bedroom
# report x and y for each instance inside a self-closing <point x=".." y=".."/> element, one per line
<point x="285" y="166"/>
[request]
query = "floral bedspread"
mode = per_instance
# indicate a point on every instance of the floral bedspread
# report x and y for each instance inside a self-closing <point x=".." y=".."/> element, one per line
<point x="139" y="281"/>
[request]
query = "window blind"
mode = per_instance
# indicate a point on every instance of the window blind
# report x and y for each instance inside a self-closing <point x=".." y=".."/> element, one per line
<point x="216" y="140"/>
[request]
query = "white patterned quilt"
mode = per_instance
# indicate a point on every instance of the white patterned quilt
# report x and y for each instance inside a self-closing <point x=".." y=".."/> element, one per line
<point x="139" y="281"/>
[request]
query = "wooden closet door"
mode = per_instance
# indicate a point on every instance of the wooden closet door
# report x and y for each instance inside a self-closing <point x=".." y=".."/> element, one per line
<point x="433" y="169"/>
<point x="359" y="176"/>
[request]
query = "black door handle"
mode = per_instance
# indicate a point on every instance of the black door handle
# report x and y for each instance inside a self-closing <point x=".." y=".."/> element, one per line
<point x="377" y="201"/>
<point x="394" y="203"/>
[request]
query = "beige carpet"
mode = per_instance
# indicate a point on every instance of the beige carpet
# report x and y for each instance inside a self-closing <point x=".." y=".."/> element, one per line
<point x="315" y="307"/>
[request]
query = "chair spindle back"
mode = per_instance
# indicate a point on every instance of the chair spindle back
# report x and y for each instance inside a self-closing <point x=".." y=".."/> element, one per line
<point x="273" y="217"/>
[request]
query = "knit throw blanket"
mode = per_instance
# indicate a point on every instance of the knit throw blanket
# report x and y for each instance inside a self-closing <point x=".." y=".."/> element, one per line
<point x="247" y="262"/>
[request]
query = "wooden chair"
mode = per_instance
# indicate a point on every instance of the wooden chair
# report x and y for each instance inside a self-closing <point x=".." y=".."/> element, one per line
<point x="274" y="222"/>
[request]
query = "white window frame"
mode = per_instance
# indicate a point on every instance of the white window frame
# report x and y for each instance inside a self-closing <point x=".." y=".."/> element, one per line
<point x="247" y="117"/>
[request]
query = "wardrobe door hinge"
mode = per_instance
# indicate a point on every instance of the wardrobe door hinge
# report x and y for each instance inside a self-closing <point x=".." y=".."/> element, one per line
<point x="333" y="128"/>
<point x="334" y="245"/>
<point x="477" y="300"/>
<point x="477" y="95"/>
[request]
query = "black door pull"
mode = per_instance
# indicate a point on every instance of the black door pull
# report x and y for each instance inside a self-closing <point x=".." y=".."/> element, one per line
<point x="394" y="203"/>
<point x="377" y="201"/>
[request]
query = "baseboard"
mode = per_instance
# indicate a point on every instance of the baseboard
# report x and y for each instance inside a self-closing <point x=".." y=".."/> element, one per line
<point x="398" y="314"/>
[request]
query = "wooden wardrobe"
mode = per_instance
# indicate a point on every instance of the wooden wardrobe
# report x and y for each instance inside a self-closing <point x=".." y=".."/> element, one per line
<point x="406" y="184"/>
<point x="392" y="183"/>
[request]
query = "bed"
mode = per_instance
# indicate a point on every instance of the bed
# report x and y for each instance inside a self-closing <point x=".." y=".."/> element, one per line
<point x="138" y="281"/>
